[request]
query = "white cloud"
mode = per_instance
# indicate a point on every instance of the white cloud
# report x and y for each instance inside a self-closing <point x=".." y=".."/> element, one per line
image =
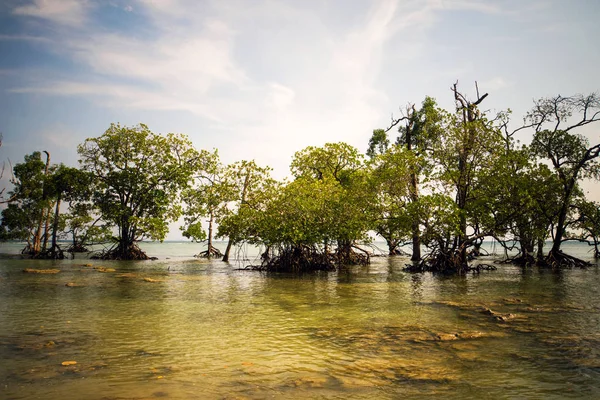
<point x="26" y="38"/>
<point x="280" y="97"/>
<point x="65" y="12"/>
<point x="275" y="72"/>
<point x="494" y="84"/>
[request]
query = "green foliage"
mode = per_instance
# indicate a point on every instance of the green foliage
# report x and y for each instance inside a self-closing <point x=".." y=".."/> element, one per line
<point x="330" y="196"/>
<point x="393" y="207"/>
<point x="207" y="197"/>
<point x="449" y="180"/>
<point x="24" y="214"/>
<point x="441" y="219"/>
<point x="18" y="223"/>
<point x="250" y="187"/>
<point x="84" y="226"/>
<point x="137" y="177"/>
<point x="328" y="203"/>
<point x="378" y="143"/>
<point x="570" y="154"/>
<point x="517" y="200"/>
<point x="588" y="223"/>
<point x="423" y="127"/>
<point x="334" y="160"/>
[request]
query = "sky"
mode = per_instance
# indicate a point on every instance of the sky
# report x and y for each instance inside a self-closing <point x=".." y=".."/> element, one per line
<point x="262" y="79"/>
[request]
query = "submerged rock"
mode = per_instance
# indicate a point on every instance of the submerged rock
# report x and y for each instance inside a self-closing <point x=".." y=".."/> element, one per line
<point x="512" y="300"/>
<point x="127" y="275"/>
<point x="472" y="335"/>
<point x="312" y="382"/>
<point x="104" y="269"/>
<point x="444" y="337"/>
<point x="67" y="363"/>
<point x="41" y="271"/>
<point x="500" y="317"/>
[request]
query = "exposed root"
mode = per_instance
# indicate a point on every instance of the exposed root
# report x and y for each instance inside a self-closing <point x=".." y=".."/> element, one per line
<point x="295" y="259"/>
<point x="398" y="252"/>
<point x="523" y="260"/>
<point x="210" y="253"/>
<point x="348" y="256"/>
<point x="133" y="252"/>
<point x="477" y="252"/>
<point x="557" y="260"/>
<point x="54" y="253"/>
<point x="304" y="258"/>
<point x="446" y="263"/>
<point x="77" y="248"/>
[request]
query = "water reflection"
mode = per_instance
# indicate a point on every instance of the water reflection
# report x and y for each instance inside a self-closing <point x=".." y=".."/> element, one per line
<point x="198" y="329"/>
<point x="417" y="286"/>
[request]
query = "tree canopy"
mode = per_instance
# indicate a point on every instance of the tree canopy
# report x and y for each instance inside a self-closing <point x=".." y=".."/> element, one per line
<point x="447" y="181"/>
<point x="137" y="175"/>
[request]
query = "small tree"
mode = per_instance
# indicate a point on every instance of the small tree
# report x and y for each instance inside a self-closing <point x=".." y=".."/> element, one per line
<point x="417" y="129"/>
<point x="138" y="176"/>
<point x="394" y="205"/>
<point x="588" y="223"/>
<point x="461" y="154"/>
<point x="85" y="227"/>
<point x="247" y="183"/>
<point x="515" y="201"/>
<point x="205" y="199"/>
<point x="30" y="204"/>
<point x="569" y="153"/>
<point x="314" y="222"/>
<point x="81" y="220"/>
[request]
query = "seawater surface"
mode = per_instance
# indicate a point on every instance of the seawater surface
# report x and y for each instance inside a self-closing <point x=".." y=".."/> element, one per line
<point x="180" y="328"/>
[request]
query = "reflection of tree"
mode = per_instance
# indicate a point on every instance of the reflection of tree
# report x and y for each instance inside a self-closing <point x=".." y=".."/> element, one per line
<point x="416" y="283"/>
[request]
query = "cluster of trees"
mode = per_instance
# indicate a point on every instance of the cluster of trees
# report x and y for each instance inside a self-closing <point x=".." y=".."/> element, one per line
<point x="449" y="180"/>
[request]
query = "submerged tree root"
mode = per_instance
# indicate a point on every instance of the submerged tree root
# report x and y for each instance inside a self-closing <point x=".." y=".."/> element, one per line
<point x="54" y="253"/>
<point x="522" y="260"/>
<point x="304" y="258"/>
<point x="210" y="253"/>
<point x="77" y="248"/>
<point x="446" y="263"/>
<point x="557" y="260"/>
<point x="133" y="252"/>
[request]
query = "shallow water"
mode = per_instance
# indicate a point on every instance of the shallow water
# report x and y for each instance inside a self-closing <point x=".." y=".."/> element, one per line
<point x="183" y="329"/>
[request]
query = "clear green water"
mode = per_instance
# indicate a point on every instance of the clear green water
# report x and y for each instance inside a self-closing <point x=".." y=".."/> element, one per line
<point x="202" y="330"/>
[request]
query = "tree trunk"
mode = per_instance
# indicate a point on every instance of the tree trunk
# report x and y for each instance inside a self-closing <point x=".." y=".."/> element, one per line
<point x="526" y="245"/>
<point x="540" y="250"/>
<point x="210" y="234"/>
<point x="55" y="225"/>
<point x="227" y="250"/>
<point x="37" y="238"/>
<point x="36" y="246"/>
<point x="461" y="201"/>
<point x="242" y="201"/>
<point x="416" y="234"/>
<point x="124" y="240"/>
<point x="560" y="227"/>
<point x="46" y="229"/>
<point x="414" y="197"/>
<point x="392" y="246"/>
